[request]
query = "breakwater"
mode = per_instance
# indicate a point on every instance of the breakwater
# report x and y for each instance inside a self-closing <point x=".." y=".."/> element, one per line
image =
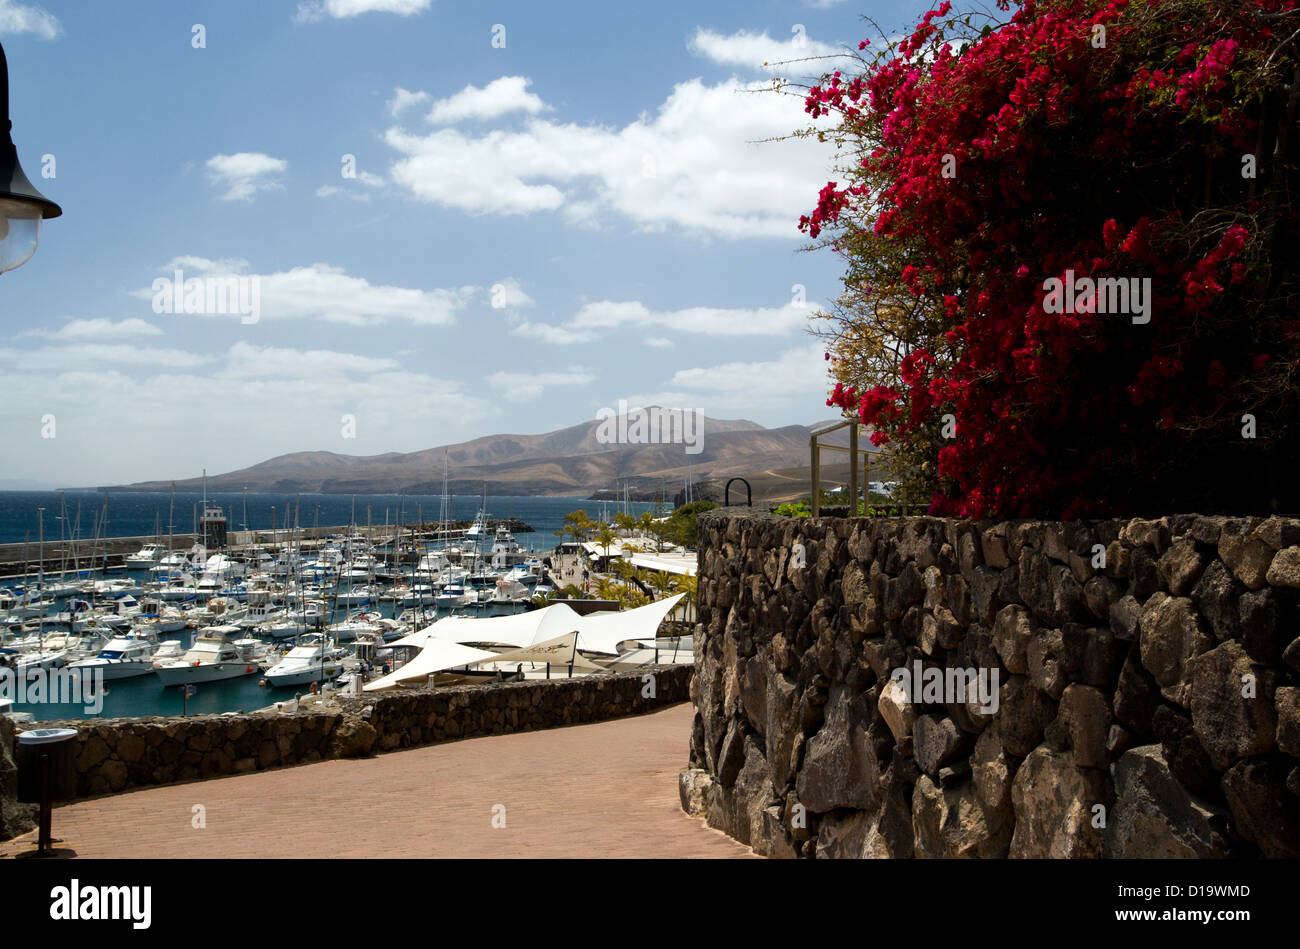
<point x="119" y="754"/>
<point x="1144" y="675"/>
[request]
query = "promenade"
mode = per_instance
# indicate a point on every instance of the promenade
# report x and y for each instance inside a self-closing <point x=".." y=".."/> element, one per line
<point x="603" y="790"/>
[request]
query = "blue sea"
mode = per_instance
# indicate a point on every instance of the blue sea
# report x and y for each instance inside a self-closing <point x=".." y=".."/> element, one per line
<point x="132" y="513"/>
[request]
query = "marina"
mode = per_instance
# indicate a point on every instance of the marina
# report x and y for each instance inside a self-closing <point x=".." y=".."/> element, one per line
<point x="275" y="615"/>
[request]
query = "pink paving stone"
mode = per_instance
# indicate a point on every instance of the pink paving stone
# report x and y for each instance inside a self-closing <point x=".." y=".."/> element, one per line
<point x="602" y="790"/>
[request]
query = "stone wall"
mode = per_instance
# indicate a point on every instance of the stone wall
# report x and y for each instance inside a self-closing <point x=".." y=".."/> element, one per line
<point x="1148" y="698"/>
<point x="15" y="818"/>
<point x="119" y="754"/>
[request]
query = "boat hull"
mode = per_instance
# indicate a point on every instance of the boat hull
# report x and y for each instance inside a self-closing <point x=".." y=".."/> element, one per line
<point x="207" y="672"/>
<point x="305" y="676"/>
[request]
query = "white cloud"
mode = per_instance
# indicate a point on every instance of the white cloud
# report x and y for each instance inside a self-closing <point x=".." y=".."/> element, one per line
<point x="321" y="291"/>
<point x="793" y="383"/>
<point x="499" y="97"/>
<point x="594" y="318"/>
<point x="244" y="360"/>
<point x="524" y="386"/>
<point x="245" y="173"/>
<point x="343" y="9"/>
<point x="99" y="329"/>
<point x="124" y="408"/>
<point x="758" y="51"/>
<point x="365" y="177"/>
<point x="18" y="17"/>
<point x="557" y="335"/>
<point x="100" y="355"/>
<point x="659" y="342"/>
<point x="403" y="99"/>
<point x="796" y="376"/>
<point x="700" y="163"/>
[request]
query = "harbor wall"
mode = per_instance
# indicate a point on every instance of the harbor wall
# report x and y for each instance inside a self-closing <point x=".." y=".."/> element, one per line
<point x="1146" y="700"/>
<point x="120" y="754"/>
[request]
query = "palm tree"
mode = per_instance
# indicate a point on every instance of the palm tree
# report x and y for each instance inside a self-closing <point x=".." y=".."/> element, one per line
<point x="607" y="589"/>
<point x="664" y="582"/>
<point x="688" y="584"/>
<point x="605" y="536"/>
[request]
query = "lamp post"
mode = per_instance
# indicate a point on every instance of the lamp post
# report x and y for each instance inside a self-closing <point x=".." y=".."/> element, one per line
<point x="22" y="207"/>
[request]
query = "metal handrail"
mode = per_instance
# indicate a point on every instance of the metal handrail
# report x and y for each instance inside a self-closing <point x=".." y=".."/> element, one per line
<point x="815" y="447"/>
<point x="749" y="493"/>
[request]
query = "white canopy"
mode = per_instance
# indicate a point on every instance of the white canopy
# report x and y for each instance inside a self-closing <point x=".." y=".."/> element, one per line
<point x="599" y="632"/>
<point x="435" y="657"/>
<point x="603" y="632"/>
<point x="558" y="651"/>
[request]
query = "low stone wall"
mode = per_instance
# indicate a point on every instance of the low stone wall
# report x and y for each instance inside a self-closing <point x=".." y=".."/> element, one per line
<point x="15" y="818"/>
<point x="1147" y="699"/>
<point x="119" y="754"/>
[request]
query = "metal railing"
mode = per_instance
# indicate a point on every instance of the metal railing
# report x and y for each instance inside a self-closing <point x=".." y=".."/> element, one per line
<point x="815" y="449"/>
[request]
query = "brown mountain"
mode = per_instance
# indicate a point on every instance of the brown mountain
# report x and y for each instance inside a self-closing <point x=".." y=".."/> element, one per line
<point x="570" y="461"/>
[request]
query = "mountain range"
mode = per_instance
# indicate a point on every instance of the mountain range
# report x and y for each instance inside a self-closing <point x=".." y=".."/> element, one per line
<point x="570" y="461"/>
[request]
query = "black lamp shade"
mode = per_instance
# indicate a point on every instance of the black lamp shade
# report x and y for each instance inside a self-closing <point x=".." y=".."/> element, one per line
<point x="14" y="185"/>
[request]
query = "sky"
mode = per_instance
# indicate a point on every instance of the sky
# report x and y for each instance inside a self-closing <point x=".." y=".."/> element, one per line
<point x="446" y="220"/>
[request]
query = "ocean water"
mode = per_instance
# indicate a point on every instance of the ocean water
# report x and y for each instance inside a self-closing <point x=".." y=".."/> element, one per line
<point x="132" y="514"/>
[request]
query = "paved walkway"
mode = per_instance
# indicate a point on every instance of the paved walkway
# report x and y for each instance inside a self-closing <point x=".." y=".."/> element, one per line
<point x="602" y="790"/>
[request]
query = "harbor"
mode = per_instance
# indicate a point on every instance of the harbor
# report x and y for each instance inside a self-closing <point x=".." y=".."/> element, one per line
<point x="278" y="617"/>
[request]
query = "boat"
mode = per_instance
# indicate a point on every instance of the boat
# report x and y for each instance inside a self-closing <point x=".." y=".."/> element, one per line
<point x="454" y="596"/>
<point x="213" y="657"/>
<point x="295" y="621"/>
<point x="146" y="557"/>
<point x="355" y="625"/>
<point x="24" y="662"/>
<point x="122" y="658"/>
<point x="314" y="659"/>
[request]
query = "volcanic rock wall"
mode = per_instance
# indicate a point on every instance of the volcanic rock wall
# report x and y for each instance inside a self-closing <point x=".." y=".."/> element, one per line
<point x="1147" y="699"/>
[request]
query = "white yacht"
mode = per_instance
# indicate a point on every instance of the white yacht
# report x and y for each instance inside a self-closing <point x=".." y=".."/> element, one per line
<point x="212" y="657"/>
<point x="175" y="562"/>
<point x="295" y="622"/>
<point x="123" y="657"/>
<point x="146" y="557"/>
<point x="315" y="659"/>
<point x="453" y="596"/>
<point x="506" y="551"/>
<point x="355" y="625"/>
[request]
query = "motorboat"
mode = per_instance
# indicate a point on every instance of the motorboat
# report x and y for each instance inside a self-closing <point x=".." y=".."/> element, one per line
<point x="122" y="658"/>
<point x="358" y="596"/>
<point x="146" y="557"/>
<point x="175" y="562"/>
<point x="295" y="622"/>
<point x="314" y="659"/>
<point x="24" y="662"/>
<point x="355" y="625"/>
<point x="454" y="596"/>
<point x="213" y="657"/>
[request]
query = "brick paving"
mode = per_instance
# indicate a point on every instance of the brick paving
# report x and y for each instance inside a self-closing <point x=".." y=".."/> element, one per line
<point x="602" y="790"/>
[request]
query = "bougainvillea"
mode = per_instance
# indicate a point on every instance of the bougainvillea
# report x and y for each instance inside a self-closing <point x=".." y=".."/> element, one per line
<point x="1071" y="247"/>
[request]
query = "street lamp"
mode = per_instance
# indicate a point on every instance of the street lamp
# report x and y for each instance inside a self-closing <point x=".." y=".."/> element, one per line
<point x="22" y="207"/>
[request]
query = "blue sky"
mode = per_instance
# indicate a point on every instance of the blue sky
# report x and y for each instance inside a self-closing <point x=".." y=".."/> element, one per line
<point x="533" y="232"/>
